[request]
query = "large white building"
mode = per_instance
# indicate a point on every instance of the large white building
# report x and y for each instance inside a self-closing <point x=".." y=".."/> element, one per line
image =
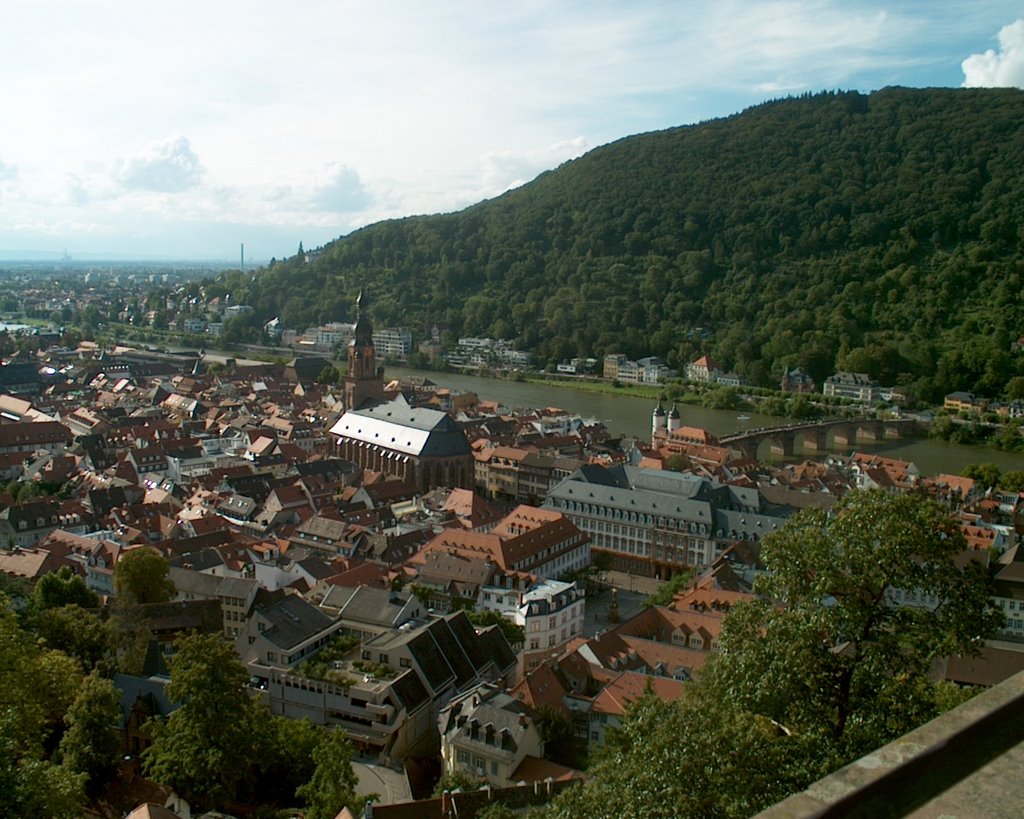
<point x="655" y="522"/>
<point x="393" y="342"/>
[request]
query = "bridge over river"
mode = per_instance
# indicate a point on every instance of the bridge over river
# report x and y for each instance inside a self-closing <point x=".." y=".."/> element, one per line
<point x="815" y="436"/>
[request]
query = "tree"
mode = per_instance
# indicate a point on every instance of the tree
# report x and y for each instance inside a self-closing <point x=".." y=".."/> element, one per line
<point x="985" y="474"/>
<point x="835" y="657"/>
<point x="1012" y="480"/>
<point x="62" y="588"/>
<point x="92" y="743"/>
<point x="691" y="757"/>
<point x="283" y="758"/>
<point x="820" y="671"/>
<point x="140" y="576"/>
<point x="76" y="632"/>
<point x="457" y="780"/>
<point x="199" y="748"/>
<point x="30" y="784"/>
<point x="513" y="633"/>
<point x="333" y="784"/>
<point x="561" y="744"/>
<point x="328" y="375"/>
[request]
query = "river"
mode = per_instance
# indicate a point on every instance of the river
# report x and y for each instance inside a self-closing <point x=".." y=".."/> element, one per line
<point x="630" y="416"/>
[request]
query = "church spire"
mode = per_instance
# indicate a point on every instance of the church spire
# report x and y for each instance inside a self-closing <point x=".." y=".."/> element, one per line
<point x="362" y="335"/>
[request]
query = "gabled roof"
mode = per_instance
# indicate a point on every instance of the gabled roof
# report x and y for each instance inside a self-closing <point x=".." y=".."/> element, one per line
<point x="628" y="687"/>
<point x="292" y="621"/>
<point x="380" y="607"/>
<point x="395" y="425"/>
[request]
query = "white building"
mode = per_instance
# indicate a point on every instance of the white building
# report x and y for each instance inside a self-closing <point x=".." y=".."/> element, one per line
<point x="392" y="342"/>
<point x="551" y="613"/>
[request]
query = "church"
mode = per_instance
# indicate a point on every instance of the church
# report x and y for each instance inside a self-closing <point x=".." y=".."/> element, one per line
<point x="422" y="446"/>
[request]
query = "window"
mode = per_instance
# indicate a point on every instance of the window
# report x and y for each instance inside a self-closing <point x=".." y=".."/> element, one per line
<point x="462" y="757"/>
<point x="405" y="662"/>
<point x="534" y="644"/>
<point x="494" y="768"/>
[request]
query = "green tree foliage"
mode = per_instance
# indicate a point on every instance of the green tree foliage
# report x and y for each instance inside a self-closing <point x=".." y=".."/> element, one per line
<point x="561" y="744"/>
<point x="692" y="757"/>
<point x="140" y="576"/>
<point x="76" y="632"/>
<point x="333" y="784"/>
<point x="282" y="758"/>
<point x="827" y="229"/>
<point x="31" y="785"/>
<point x="92" y="743"/>
<point x="62" y="588"/>
<point x="201" y="749"/>
<point x="823" y="674"/>
<point x="985" y="474"/>
<point x="329" y="375"/>
<point x="863" y="662"/>
<point x="1012" y="480"/>
<point x="456" y="781"/>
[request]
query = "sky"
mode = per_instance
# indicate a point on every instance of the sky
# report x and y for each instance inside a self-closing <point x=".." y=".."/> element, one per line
<point x="184" y="130"/>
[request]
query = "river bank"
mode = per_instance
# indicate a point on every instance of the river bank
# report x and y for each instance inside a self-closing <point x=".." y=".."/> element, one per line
<point x="629" y="415"/>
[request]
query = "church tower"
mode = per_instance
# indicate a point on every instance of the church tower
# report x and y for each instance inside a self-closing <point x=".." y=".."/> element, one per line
<point x="363" y="382"/>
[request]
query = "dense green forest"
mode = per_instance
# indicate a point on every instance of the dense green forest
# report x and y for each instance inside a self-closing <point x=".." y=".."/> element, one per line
<point x="879" y="233"/>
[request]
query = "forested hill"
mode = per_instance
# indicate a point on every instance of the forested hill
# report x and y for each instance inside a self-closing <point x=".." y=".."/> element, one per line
<point x="879" y="233"/>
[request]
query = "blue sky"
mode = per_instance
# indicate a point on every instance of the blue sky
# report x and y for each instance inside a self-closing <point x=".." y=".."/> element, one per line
<point x="182" y="130"/>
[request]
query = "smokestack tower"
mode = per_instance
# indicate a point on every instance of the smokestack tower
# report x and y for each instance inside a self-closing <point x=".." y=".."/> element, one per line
<point x="243" y="257"/>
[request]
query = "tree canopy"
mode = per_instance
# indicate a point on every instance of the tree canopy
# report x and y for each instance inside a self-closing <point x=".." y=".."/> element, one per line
<point x="221" y="745"/>
<point x="333" y="784"/>
<point x="36" y="687"/>
<point x="140" y="576"/>
<point x="62" y="588"/>
<point x="92" y="744"/>
<point x="199" y="750"/>
<point x="831" y="663"/>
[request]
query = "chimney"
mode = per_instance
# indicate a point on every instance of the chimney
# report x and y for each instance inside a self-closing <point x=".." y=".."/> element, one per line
<point x="522" y="720"/>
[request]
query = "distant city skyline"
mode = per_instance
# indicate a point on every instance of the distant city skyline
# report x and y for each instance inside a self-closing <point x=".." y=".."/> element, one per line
<point x="181" y="132"/>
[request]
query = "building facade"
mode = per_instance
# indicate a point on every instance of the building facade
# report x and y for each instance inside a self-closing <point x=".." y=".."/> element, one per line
<point x="423" y="447"/>
<point x="658" y="523"/>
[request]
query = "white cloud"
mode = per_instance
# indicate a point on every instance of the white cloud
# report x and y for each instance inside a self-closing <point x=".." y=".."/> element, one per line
<point x="1002" y="69"/>
<point x="7" y="171"/>
<point x="342" y="191"/>
<point x="168" y="166"/>
<point x="502" y="170"/>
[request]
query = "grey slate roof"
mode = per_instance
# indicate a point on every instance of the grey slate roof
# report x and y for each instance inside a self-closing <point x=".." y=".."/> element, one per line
<point x="494" y="646"/>
<point x="374" y="606"/>
<point x="292" y="621"/>
<point x="409" y="690"/>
